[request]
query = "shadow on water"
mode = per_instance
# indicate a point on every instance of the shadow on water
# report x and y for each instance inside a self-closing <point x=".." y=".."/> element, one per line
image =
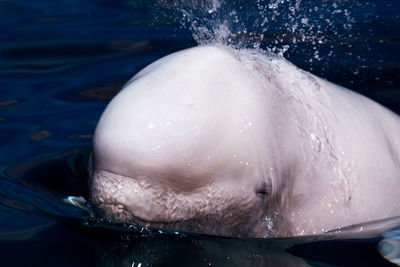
<point x="38" y="228"/>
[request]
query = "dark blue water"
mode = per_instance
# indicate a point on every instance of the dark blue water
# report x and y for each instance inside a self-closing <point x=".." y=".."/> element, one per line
<point x="60" y="64"/>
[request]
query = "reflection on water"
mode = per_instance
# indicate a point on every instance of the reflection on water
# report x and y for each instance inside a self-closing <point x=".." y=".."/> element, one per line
<point x="61" y="62"/>
<point x="389" y="246"/>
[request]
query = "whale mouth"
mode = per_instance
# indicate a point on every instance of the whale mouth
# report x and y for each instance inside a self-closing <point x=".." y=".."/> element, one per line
<point x="207" y="225"/>
<point x="188" y="225"/>
<point x="115" y="213"/>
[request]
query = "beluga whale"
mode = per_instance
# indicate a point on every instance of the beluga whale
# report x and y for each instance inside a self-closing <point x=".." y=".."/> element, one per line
<point x="237" y="142"/>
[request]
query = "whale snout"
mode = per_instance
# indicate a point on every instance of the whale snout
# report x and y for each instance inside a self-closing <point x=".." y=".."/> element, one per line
<point x="137" y="200"/>
<point x="118" y="198"/>
<point x="143" y="200"/>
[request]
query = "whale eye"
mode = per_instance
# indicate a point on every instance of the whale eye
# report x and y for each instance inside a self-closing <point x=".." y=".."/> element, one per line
<point x="262" y="190"/>
<point x="261" y="193"/>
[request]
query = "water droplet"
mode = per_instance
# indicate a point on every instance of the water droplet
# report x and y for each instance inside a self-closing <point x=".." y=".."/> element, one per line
<point x="304" y="20"/>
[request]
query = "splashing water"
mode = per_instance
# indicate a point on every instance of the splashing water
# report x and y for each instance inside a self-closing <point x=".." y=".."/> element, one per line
<point x="354" y="42"/>
<point x="275" y="25"/>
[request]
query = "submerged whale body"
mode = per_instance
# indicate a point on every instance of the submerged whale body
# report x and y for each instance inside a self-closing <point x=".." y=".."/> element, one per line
<point x="238" y="143"/>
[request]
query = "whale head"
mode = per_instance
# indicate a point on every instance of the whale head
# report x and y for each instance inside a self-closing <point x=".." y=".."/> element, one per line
<point x="186" y="145"/>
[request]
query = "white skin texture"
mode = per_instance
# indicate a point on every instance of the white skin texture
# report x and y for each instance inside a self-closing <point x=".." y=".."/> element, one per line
<point x="238" y="143"/>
